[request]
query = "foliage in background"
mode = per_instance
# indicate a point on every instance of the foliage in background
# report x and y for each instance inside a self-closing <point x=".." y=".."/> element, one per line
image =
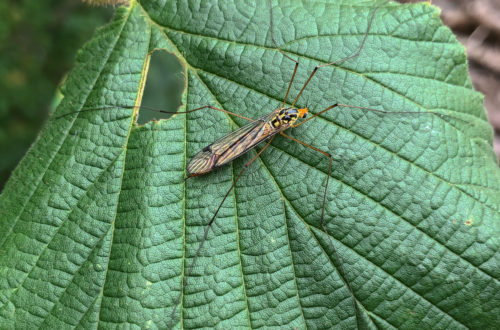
<point x="38" y="43"/>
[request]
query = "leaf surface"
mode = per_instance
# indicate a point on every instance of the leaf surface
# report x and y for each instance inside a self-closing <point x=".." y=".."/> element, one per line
<point x="98" y="226"/>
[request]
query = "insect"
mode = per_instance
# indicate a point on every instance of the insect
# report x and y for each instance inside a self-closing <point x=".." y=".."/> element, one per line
<point x="232" y="146"/>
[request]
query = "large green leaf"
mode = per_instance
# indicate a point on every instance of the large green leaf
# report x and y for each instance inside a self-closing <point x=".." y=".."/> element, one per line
<point x="98" y="226"/>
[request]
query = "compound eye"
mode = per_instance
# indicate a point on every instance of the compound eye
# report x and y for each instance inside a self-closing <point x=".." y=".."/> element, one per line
<point x="305" y="115"/>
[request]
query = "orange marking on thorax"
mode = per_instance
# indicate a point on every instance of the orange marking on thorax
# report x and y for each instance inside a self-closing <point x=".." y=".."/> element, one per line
<point x="303" y="112"/>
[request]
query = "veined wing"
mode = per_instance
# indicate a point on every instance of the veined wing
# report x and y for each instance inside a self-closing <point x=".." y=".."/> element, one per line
<point x="231" y="146"/>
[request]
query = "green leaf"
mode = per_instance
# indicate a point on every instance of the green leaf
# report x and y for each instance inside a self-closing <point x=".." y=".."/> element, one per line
<point x="98" y="226"/>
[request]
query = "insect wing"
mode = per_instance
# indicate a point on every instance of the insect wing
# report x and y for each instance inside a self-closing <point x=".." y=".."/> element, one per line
<point x="231" y="146"/>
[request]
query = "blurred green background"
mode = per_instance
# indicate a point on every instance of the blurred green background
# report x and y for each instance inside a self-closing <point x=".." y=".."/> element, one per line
<point x="38" y="44"/>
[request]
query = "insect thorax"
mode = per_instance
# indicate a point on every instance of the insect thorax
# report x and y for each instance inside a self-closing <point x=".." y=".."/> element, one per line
<point x="285" y="117"/>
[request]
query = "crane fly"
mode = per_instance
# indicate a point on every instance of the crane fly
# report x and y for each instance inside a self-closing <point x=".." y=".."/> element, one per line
<point x="238" y="142"/>
<point x="231" y="146"/>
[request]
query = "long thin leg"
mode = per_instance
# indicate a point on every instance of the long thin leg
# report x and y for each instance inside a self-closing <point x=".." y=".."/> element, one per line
<point x="156" y="110"/>
<point x="283" y="53"/>
<point x="440" y="115"/>
<point x="322" y="221"/>
<point x="342" y="59"/>
<point x="217" y="109"/>
<point x="207" y="229"/>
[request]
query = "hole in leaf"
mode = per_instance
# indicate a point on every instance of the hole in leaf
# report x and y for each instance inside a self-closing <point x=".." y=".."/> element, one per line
<point x="164" y="87"/>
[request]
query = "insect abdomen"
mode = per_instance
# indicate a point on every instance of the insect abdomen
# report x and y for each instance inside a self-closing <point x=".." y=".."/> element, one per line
<point x="202" y="162"/>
